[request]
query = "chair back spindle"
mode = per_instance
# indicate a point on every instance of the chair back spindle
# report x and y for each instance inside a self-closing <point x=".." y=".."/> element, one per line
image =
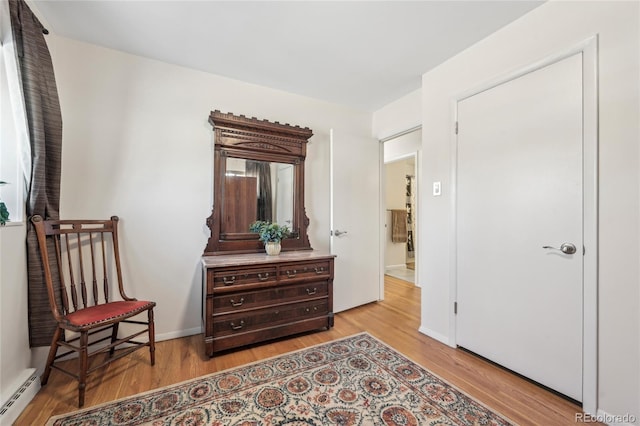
<point x="62" y="288"/>
<point x="94" y="279"/>
<point x="83" y="285"/>
<point x="105" y="277"/>
<point x="72" y="281"/>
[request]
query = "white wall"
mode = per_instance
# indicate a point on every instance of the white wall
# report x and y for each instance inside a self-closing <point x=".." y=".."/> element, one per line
<point x="402" y="146"/>
<point x="549" y="29"/>
<point x="137" y="144"/>
<point x="15" y="356"/>
<point x="398" y="116"/>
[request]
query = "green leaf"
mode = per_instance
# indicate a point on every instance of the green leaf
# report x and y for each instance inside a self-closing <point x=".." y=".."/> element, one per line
<point x="269" y="231"/>
<point x="4" y="213"/>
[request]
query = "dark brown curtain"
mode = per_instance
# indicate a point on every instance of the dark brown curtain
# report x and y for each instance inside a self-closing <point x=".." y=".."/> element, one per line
<point x="262" y="170"/>
<point x="45" y="134"/>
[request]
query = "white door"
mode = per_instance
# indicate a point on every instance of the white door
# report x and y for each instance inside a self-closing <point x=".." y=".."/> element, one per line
<point x="519" y="189"/>
<point x="355" y="221"/>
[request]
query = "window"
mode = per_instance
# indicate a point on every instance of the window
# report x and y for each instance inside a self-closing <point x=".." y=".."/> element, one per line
<point x="11" y="170"/>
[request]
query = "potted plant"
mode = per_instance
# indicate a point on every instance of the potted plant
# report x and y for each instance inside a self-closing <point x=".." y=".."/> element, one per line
<point x="4" y="212"/>
<point x="271" y="234"/>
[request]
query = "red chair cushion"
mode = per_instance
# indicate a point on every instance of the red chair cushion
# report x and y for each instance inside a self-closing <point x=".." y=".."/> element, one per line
<point x="94" y="315"/>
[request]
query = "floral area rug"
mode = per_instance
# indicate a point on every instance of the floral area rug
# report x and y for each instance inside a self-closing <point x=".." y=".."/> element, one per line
<point x="357" y="380"/>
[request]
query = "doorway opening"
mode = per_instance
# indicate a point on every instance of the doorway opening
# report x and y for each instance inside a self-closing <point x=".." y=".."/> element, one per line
<point x="400" y="205"/>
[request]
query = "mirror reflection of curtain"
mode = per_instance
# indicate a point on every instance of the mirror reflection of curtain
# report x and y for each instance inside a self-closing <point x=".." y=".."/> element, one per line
<point x="262" y="170"/>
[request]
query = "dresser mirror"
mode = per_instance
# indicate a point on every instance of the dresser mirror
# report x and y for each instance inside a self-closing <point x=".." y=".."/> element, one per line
<point x="255" y="190"/>
<point x="258" y="175"/>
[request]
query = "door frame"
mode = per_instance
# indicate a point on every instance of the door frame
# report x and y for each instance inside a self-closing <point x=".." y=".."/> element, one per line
<point x="382" y="208"/>
<point x="589" y="50"/>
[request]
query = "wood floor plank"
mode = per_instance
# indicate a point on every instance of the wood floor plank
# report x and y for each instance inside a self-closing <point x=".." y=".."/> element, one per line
<point x="394" y="320"/>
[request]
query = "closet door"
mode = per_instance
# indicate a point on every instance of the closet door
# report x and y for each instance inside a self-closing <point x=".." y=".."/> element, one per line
<point x="520" y="225"/>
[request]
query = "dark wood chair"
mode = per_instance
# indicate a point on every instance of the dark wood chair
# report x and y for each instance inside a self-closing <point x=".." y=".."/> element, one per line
<point x="82" y="269"/>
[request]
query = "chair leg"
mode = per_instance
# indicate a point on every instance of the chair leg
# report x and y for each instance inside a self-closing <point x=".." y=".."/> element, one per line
<point x="52" y="355"/>
<point x="114" y="337"/>
<point x="83" y="361"/>
<point x="152" y="338"/>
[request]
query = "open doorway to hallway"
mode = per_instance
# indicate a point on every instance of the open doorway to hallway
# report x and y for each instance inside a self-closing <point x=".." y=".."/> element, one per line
<point x="400" y="205"/>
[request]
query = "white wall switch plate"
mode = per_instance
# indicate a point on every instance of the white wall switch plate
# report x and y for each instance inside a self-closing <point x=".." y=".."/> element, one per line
<point x="437" y="189"/>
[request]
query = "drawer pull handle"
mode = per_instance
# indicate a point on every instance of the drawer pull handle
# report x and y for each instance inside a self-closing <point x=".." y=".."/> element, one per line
<point x="312" y="292"/>
<point x="263" y="277"/>
<point x="237" y="327"/>
<point x="319" y="270"/>
<point x="229" y="281"/>
<point x="291" y="274"/>
<point x="236" y="304"/>
<point x="307" y="310"/>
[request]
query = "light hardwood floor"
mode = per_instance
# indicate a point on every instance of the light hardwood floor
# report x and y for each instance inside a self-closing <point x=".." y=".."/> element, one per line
<point x="395" y="321"/>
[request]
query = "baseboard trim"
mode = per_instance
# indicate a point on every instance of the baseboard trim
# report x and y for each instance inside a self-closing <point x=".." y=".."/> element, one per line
<point x="177" y="334"/>
<point x="434" y="335"/>
<point x="26" y="391"/>
<point x="399" y="265"/>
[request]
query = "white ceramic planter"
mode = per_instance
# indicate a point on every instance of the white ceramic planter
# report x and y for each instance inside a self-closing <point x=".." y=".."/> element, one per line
<point x="272" y="248"/>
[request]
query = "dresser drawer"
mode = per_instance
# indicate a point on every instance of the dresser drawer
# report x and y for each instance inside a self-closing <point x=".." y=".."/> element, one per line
<point x="273" y="296"/>
<point x="225" y="325"/>
<point x="232" y="279"/>
<point x="305" y="270"/>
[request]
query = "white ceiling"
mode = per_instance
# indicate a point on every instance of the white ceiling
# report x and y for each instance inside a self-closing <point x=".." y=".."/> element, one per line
<point x="363" y="54"/>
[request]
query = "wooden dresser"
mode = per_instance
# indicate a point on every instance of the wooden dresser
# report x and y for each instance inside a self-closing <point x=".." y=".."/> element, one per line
<point x="250" y="298"/>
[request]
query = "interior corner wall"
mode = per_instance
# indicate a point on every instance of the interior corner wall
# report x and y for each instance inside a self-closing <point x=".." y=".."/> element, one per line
<point x="551" y="28"/>
<point x="137" y="143"/>
<point x="398" y="116"/>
